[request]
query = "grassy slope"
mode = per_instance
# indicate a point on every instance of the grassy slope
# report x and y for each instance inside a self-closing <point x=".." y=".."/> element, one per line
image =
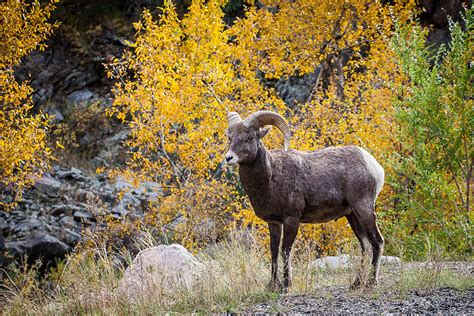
<point x="235" y="278"/>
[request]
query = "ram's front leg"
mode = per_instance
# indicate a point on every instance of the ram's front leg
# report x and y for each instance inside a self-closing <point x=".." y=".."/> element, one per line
<point x="290" y="230"/>
<point x="275" y="236"/>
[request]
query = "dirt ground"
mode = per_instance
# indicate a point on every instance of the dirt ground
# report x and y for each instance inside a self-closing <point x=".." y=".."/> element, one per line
<point x="386" y="300"/>
<point x="340" y="301"/>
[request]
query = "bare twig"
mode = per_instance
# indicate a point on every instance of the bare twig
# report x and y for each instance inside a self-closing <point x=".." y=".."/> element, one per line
<point x="316" y="84"/>
<point x="211" y="89"/>
<point x="162" y="147"/>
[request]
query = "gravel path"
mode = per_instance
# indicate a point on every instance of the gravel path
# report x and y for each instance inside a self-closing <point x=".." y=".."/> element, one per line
<point x="340" y="301"/>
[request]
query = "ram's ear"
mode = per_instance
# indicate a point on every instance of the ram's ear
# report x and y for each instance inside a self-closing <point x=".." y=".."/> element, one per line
<point x="263" y="131"/>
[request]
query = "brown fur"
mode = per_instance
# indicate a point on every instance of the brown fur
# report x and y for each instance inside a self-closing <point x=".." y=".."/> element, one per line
<point x="287" y="188"/>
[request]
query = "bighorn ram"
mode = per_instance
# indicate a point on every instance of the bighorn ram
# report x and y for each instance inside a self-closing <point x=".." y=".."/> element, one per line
<point x="289" y="187"/>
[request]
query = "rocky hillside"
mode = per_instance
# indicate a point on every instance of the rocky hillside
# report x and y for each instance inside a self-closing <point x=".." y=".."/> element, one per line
<point x="49" y="220"/>
<point x="70" y="84"/>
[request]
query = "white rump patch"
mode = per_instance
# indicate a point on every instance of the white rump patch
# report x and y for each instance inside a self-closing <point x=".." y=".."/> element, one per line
<point x="374" y="168"/>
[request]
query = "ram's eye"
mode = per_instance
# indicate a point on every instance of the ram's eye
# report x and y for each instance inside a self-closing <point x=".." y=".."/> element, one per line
<point x="251" y="138"/>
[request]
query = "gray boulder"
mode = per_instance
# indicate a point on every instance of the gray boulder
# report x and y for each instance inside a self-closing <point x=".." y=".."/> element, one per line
<point x="160" y="270"/>
<point x="346" y="261"/>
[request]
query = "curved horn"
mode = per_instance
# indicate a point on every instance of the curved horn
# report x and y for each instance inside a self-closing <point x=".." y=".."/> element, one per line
<point x="262" y="118"/>
<point x="233" y="118"/>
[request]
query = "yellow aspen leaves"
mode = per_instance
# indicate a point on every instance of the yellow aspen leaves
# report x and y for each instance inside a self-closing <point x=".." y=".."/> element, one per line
<point x="24" y="153"/>
<point x="189" y="71"/>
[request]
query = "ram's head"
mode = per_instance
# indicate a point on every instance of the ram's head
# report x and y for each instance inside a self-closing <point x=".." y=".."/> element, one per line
<point x="245" y="135"/>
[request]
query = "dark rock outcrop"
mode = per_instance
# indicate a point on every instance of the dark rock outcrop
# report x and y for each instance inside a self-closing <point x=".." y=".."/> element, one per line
<point x="436" y="16"/>
<point x="48" y="221"/>
<point x="38" y="246"/>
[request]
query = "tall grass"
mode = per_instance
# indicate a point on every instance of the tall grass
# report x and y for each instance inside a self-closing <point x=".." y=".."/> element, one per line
<point x="234" y="277"/>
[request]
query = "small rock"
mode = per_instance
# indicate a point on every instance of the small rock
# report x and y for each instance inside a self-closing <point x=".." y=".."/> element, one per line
<point x="39" y="96"/>
<point x="86" y="140"/>
<point x="29" y="225"/>
<point x="71" y="237"/>
<point x="82" y="216"/>
<point x="41" y="79"/>
<point x="3" y="225"/>
<point x="65" y="209"/>
<point x="72" y="81"/>
<point x="120" y="211"/>
<point x="332" y="262"/>
<point x="48" y="186"/>
<point x="71" y="174"/>
<point x="67" y="221"/>
<point x="122" y="184"/>
<point x="80" y="96"/>
<point x="80" y="195"/>
<point x="107" y="197"/>
<point x="58" y="117"/>
<point x="58" y="210"/>
<point x="391" y="260"/>
<point x="345" y="261"/>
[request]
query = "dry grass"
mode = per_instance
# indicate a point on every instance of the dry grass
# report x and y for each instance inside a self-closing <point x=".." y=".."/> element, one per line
<point x="235" y="276"/>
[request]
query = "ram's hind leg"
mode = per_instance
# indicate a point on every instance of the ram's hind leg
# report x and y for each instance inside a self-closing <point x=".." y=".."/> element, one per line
<point x="363" y="222"/>
<point x="377" y="242"/>
<point x="365" y="245"/>
<point x="290" y="230"/>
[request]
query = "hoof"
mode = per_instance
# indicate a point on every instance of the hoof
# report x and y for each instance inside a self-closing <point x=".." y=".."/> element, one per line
<point x="372" y="282"/>
<point x="356" y="285"/>
<point x="275" y="286"/>
<point x="286" y="285"/>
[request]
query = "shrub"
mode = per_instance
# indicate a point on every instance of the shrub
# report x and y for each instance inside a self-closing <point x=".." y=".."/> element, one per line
<point x="433" y="169"/>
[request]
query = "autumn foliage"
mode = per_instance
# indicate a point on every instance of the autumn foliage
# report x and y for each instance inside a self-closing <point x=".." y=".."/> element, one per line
<point x="24" y="153"/>
<point x="188" y="72"/>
